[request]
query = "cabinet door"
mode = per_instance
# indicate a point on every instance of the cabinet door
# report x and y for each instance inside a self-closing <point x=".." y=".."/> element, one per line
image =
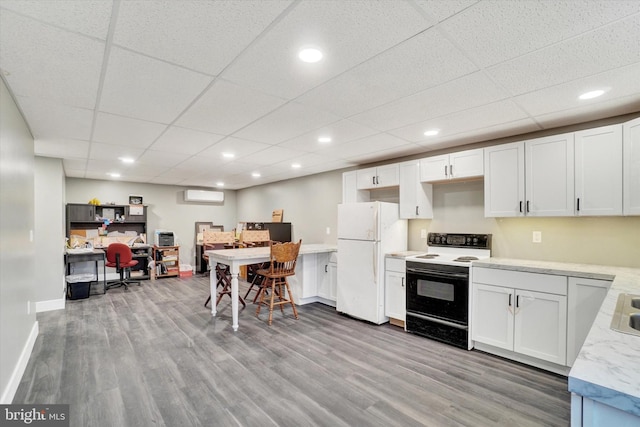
<point x="434" y="168"/>
<point x="493" y="315"/>
<point x="80" y="213"/>
<point x="366" y="178"/>
<point x="415" y="196"/>
<point x="584" y="299"/>
<point x="350" y="192"/>
<point x="466" y="164"/>
<point x="598" y="160"/>
<point x="324" y="277"/>
<point x="631" y="169"/>
<point x="388" y="175"/>
<point x="395" y="302"/>
<point x="333" y="280"/>
<point x="549" y="176"/>
<point x="504" y="180"/>
<point x="541" y="326"/>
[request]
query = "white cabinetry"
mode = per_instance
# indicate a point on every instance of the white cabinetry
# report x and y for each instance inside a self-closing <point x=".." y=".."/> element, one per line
<point x="631" y="167"/>
<point x="585" y="296"/>
<point x="378" y="177"/>
<point x="463" y="164"/>
<point x="534" y="178"/>
<point x="350" y="192"/>
<point x="327" y="277"/>
<point x="524" y="313"/>
<point x="395" y="303"/>
<point x="587" y="412"/>
<point x="415" y="196"/>
<point x="599" y="171"/>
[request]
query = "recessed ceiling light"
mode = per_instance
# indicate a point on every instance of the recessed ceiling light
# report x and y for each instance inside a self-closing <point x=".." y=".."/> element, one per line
<point x="219" y="184"/>
<point x="296" y="165"/>
<point x="114" y="174"/>
<point x="126" y="159"/>
<point x="432" y="132"/>
<point x="228" y="155"/>
<point x="310" y="54"/>
<point x="592" y="94"/>
<point x="324" y="139"/>
<point x="256" y="174"/>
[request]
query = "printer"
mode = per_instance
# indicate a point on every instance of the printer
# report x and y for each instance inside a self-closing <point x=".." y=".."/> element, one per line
<point x="164" y="238"/>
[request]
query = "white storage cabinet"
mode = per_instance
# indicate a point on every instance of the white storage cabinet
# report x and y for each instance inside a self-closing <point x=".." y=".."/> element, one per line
<point x="395" y="301"/>
<point x="415" y="196"/>
<point x="378" y="177"/>
<point x="631" y="167"/>
<point x="463" y="164"/>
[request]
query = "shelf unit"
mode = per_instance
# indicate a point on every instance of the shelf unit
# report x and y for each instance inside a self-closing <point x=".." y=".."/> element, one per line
<point x="143" y="255"/>
<point x="83" y="217"/>
<point x="167" y="260"/>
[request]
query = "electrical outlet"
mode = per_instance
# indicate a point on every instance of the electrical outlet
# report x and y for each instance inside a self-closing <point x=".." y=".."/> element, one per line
<point x="423" y="233"/>
<point x="537" y="237"/>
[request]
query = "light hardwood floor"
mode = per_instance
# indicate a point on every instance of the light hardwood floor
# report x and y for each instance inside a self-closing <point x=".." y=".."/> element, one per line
<point x="154" y="356"/>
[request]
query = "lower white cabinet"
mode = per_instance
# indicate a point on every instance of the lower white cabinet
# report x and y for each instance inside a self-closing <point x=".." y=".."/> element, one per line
<point x="521" y="312"/>
<point x="395" y="292"/>
<point x="315" y="279"/>
<point x="585" y="296"/>
<point x="586" y="412"/>
<point x="327" y="276"/>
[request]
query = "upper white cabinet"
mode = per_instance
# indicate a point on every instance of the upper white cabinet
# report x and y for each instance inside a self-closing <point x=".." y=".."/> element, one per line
<point x="378" y="177"/>
<point x="415" y="196"/>
<point x="350" y="192"/>
<point x="504" y="180"/>
<point x="463" y="164"/>
<point x="599" y="171"/>
<point x="631" y="167"/>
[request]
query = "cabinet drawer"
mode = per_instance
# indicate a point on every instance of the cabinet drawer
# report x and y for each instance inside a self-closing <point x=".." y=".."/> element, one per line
<point x="395" y="264"/>
<point x="538" y="282"/>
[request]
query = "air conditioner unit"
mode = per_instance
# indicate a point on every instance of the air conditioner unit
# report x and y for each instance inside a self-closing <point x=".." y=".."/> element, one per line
<point x="202" y="196"/>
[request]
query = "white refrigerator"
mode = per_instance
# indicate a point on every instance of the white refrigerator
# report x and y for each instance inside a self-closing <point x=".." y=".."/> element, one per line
<point x="366" y="232"/>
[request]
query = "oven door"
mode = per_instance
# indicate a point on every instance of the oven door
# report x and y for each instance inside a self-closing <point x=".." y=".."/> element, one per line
<point x="439" y="291"/>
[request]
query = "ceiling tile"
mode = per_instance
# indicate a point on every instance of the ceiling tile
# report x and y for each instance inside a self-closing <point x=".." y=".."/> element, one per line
<point x="469" y="91"/>
<point x="144" y="88"/>
<point x="592" y="53"/>
<point x="290" y="120"/>
<point x="365" y="145"/>
<point x="593" y="111"/>
<point x="337" y="28"/>
<point x="227" y="107"/>
<point x="340" y="132"/>
<point x="62" y="148"/>
<point x="52" y="121"/>
<point x="109" y="152"/>
<point x="423" y="61"/>
<point x="272" y="155"/>
<point x="236" y="146"/>
<point x="185" y="141"/>
<point x="200" y="35"/>
<point x="442" y="10"/>
<point x="161" y="158"/>
<point x="462" y="121"/>
<point x="495" y="31"/>
<point x="44" y="62"/>
<point x="78" y="166"/>
<point x="120" y="130"/>
<point x="376" y="156"/>
<point x="89" y="17"/>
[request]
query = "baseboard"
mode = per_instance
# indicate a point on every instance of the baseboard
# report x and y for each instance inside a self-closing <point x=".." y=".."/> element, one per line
<point x="50" y="305"/>
<point x="18" y="371"/>
<point x="524" y="359"/>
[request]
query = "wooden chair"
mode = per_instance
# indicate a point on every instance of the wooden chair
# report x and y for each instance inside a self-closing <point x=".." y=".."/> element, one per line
<point x="282" y="265"/>
<point x="252" y="238"/>
<point x="221" y="240"/>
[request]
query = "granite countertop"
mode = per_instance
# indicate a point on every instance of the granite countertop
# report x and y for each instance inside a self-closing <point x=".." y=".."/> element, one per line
<point x="607" y="368"/>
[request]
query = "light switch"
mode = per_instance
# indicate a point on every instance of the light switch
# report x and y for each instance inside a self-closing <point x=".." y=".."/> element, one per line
<point x="423" y="233"/>
<point x="537" y="237"/>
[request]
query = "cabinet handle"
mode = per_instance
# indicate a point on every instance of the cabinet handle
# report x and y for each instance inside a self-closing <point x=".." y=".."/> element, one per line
<point x="578" y="207"/>
<point x="520" y="206"/>
<point x="445" y="171"/>
<point x="403" y="282"/>
<point x="377" y="180"/>
<point x="518" y="301"/>
<point x="326" y="267"/>
<point x="373" y="180"/>
<point x="451" y="171"/>
<point x="417" y="210"/>
<point x="528" y="207"/>
<point x="509" y="300"/>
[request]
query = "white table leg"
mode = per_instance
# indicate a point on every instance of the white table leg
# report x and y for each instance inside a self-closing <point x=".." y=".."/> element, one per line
<point x="235" y="269"/>
<point x="212" y="283"/>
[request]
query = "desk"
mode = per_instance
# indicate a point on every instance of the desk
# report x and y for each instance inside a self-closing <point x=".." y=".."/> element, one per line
<point x="235" y="258"/>
<point x="95" y="255"/>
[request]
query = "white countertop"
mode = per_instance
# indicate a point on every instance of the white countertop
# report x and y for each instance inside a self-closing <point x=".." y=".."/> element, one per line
<point x="259" y="252"/>
<point x="608" y="366"/>
<point x="404" y="254"/>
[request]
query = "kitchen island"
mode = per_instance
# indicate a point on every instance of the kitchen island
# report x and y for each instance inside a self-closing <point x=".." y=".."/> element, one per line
<point x="235" y="258"/>
<point x="605" y="377"/>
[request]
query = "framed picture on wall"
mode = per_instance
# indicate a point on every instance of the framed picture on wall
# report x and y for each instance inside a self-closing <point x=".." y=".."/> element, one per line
<point x="135" y="200"/>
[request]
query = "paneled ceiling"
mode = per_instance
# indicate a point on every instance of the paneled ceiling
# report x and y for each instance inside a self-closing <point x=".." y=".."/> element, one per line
<point x="176" y="85"/>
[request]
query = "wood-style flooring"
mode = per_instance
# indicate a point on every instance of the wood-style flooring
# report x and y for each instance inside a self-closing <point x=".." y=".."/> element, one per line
<point x="154" y="356"/>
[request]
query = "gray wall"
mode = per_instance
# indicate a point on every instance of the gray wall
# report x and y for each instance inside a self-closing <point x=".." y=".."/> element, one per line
<point x="166" y="208"/>
<point x="309" y="203"/>
<point x="49" y="232"/>
<point x="17" y="256"/>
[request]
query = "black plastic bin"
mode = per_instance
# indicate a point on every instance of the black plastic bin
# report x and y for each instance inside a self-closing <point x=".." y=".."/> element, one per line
<point x="78" y="290"/>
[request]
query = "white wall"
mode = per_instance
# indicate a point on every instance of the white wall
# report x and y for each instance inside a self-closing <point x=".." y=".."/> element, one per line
<point x="18" y="326"/>
<point x="49" y="233"/>
<point x="166" y="208"/>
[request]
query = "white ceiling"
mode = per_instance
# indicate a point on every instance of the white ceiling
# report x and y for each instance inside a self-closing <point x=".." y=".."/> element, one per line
<point x="174" y="84"/>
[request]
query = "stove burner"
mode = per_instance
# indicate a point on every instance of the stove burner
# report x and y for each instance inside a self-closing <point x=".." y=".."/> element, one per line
<point x="466" y="259"/>
<point x="428" y="256"/>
